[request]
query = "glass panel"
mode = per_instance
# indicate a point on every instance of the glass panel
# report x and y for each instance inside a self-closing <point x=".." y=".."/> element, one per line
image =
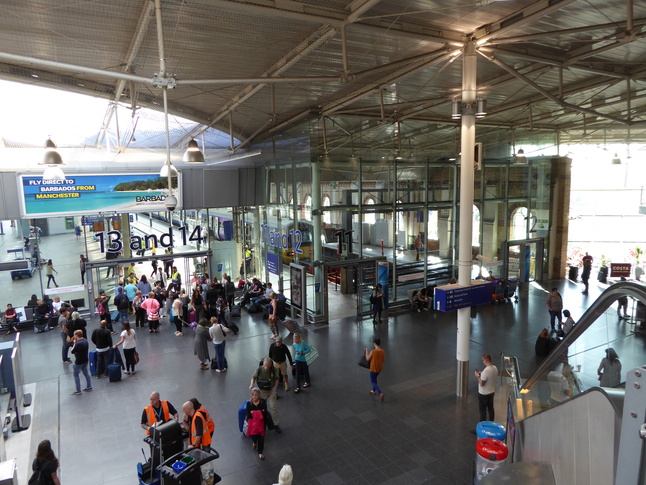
<point x="441" y="183"/>
<point x="377" y="179"/>
<point x="495" y="178"/>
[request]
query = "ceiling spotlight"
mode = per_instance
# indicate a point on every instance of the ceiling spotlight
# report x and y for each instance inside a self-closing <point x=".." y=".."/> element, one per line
<point x="456" y="108"/>
<point x="616" y="160"/>
<point x="520" y="157"/>
<point x="193" y="153"/>
<point x="52" y="157"/>
<point x="168" y="169"/>
<point x="481" y="112"/>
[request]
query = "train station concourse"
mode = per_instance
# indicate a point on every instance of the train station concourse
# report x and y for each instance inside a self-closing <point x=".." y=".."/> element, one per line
<point x="458" y="183"/>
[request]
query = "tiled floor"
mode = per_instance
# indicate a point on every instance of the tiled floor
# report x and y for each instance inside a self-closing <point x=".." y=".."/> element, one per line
<point x="333" y="432"/>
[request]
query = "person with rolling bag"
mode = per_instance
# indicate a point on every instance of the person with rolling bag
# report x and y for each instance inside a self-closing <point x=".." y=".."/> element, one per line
<point x="218" y="333"/>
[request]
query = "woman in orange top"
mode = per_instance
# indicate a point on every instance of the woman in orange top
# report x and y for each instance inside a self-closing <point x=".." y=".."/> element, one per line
<point x="376" y="357"/>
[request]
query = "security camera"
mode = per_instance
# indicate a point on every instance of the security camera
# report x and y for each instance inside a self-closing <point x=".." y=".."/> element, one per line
<point x="170" y="202"/>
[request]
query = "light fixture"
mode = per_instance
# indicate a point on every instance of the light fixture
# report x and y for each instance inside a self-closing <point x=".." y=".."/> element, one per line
<point x="168" y="168"/>
<point x="53" y="161"/>
<point x="520" y="157"/>
<point x="481" y="112"/>
<point x="616" y="160"/>
<point x="456" y="108"/>
<point x="193" y="153"/>
<point x="52" y="157"/>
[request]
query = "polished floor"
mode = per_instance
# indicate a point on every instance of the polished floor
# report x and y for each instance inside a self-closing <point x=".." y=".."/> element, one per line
<point x="334" y="432"/>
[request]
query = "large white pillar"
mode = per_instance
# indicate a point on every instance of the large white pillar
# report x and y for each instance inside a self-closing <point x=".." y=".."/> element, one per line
<point x="468" y="138"/>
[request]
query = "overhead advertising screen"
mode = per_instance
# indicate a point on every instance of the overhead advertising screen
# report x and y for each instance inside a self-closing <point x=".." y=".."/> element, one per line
<point x="90" y="194"/>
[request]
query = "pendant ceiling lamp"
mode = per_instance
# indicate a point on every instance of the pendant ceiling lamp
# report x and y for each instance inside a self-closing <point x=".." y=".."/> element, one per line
<point x="193" y="153"/>
<point x="53" y="162"/>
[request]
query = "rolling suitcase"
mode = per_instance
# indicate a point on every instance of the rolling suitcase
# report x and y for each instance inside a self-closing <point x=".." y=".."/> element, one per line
<point x="233" y="327"/>
<point x="114" y="372"/>
<point x="242" y="415"/>
<point x="235" y="311"/>
<point x="291" y="325"/>
<point x="93" y="359"/>
<point x="191" y="317"/>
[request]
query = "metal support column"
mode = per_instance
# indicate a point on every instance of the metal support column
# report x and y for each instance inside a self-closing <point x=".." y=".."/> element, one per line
<point x="468" y="138"/>
<point x="316" y="234"/>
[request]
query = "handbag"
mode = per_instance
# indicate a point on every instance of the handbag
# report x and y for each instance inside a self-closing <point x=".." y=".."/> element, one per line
<point x="136" y="357"/>
<point x="363" y="362"/>
<point x="269" y="421"/>
<point x="224" y="334"/>
<point x="312" y="355"/>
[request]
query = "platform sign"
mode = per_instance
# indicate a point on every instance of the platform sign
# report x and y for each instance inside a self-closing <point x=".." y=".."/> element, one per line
<point x="100" y="194"/>
<point x="453" y="297"/>
<point x="272" y="263"/>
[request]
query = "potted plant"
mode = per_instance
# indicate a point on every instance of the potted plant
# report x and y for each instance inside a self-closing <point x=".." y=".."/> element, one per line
<point x="639" y="271"/>
<point x="603" y="270"/>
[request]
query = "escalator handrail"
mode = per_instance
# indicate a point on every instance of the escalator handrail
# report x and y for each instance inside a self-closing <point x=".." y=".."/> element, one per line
<point x="598" y="308"/>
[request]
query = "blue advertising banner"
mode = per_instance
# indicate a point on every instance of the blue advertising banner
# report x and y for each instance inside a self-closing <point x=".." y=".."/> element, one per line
<point x="452" y="297"/>
<point x="272" y="263"/>
<point x="91" y="194"/>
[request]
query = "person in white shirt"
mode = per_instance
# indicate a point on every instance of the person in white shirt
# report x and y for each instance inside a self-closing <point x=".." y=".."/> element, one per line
<point x="129" y="341"/>
<point x="568" y="325"/>
<point x="486" y="388"/>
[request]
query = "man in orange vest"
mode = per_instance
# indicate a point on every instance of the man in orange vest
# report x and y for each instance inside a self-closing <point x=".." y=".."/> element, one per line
<point x="158" y="412"/>
<point x="199" y="425"/>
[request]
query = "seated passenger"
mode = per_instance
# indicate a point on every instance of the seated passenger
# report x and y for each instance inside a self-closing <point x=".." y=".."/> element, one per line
<point x="568" y="325"/>
<point x="420" y="300"/>
<point x="254" y="292"/>
<point x="11" y="319"/>
<point x="263" y="299"/>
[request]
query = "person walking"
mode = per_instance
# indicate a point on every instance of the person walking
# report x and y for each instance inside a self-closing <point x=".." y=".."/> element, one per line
<point x="486" y="388"/>
<point x="376" y="357"/>
<point x="279" y="353"/>
<point x="46" y="464"/>
<point x="419" y="245"/>
<point x="555" y="306"/>
<point x="140" y="313"/>
<point x="129" y="341"/>
<point x="49" y="272"/>
<point x="585" y="274"/>
<point x="197" y="304"/>
<point x="151" y="306"/>
<point x="218" y="334"/>
<point x="302" y="370"/>
<point x="256" y="414"/>
<point x="80" y="350"/>
<point x="377" y="300"/>
<point x="201" y="345"/>
<point x="176" y="313"/>
<point x="610" y="369"/>
<point x="65" y="334"/>
<point x="273" y="315"/>
<point x="265" y="378"/>
<point x="83" y="267"/>
<point x="123" y="304"/>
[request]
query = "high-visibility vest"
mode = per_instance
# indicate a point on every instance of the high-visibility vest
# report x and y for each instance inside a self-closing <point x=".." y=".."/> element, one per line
<point x="152" y="416"/>
<point x="208" y="426"/>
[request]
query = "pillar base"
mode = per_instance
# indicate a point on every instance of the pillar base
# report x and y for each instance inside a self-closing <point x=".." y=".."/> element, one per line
<point x="463" y="378"/>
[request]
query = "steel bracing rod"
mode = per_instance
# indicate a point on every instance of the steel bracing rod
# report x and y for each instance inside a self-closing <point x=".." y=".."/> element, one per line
<point x="629" y="16"/>
<point x="584" y="55"/>
<point x="554" y="33"/>
<point x="524" y="16"/>
<point x="547" y="94"/>
<point x="304" y="48"/>
<point x="358" y="8"/>
<point x="140" y="31"/>
<point x="162" y="74"/>
<point x="337" y="19"/>
<point x="364" y="91"/>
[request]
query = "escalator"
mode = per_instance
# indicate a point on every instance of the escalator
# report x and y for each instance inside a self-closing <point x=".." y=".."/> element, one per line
<point x="588" y="436"/>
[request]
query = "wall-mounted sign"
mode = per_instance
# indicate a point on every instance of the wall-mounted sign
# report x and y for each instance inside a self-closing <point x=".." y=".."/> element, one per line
<point x="93" y="194"/>
<point x="620" y="269"/>
<point x="272" y="263"/>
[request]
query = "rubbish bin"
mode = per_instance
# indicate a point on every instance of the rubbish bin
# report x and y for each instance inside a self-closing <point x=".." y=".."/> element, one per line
<point x="490" y="454"/>
<point x="574" y="273"/>
<point x="491" y="429"/>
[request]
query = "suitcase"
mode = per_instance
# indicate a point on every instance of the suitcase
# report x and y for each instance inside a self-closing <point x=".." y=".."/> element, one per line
<point x="235" y="311"/>
<point x="114" y="372"/>
<point x="115" y="316"/>
<point x="242" y="415"/>
<point x="291" y="325"/>
<point x="214" y="363"/>
<point x="191" y="317"/>
<point x="93" y="360"/>
<point x="233" y="327"/>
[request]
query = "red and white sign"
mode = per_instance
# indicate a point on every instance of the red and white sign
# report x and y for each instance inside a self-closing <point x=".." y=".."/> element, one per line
<point x="620" y="269"/>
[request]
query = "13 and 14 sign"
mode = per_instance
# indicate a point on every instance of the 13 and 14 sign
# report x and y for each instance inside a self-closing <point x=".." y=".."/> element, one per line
<point x="113" y="242"/>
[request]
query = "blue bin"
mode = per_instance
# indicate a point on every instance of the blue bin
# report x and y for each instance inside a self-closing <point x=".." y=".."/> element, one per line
<point x="491" y="429"/>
